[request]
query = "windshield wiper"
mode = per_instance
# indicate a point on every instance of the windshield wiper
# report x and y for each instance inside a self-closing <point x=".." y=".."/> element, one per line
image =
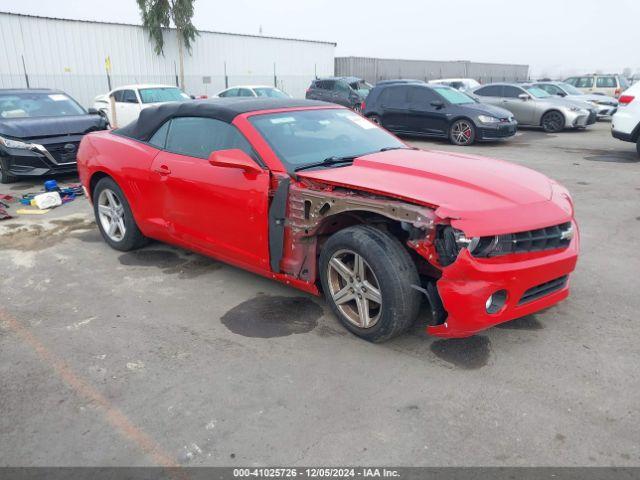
<point x="347" y="158"/>
<point x="329" y="161"/>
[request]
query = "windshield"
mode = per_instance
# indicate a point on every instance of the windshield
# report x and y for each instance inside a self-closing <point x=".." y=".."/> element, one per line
<point x="29" y="104"/>
<point x="454" y="96"/>
<point x="303" y="137"/>
<point x="361" y="87"/>
<point x="159" y="95"/>
<point x="537" y="92"/>
<point x="270" y="92"/>
<point x="570" y="89"/>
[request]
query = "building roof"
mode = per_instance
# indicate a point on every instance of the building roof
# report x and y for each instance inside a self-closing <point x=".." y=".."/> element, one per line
<point x="137" y="25"/>
<point x="224" y="109"/>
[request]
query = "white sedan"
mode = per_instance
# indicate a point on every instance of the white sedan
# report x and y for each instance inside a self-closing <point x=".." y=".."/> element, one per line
<point x="252" y="91"/>
<point x="130" y="100"/>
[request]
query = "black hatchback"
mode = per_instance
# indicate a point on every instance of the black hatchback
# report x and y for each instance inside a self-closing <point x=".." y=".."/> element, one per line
<point x="346" y="91"/>
<point x="40" y="130"/>
<point x="416" y="108"/>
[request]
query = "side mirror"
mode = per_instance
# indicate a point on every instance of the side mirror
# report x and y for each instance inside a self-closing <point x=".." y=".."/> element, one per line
<point x="561" y="94"/>
<point x="437" y="104"/>
<point x="524" y="96"/>
<point x="234" y="158"/>
<point x="93" y="111"/>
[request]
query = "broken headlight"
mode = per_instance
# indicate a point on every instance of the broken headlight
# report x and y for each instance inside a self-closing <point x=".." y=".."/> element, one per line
<point x="449" y="241"/>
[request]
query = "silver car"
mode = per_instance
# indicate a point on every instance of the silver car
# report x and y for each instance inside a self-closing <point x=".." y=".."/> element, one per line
<point x="605" y="106"/>
<point x="532" y="106"/>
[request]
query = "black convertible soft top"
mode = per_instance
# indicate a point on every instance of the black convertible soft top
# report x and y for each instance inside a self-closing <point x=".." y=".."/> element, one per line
<point x="225" y="109"/>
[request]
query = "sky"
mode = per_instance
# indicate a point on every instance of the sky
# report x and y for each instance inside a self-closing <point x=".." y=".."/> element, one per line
<point x="556" y="38"/>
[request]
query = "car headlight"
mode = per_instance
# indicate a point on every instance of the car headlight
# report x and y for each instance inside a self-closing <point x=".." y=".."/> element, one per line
<point x="15" y="143"/>
<point x="450" y="241"/>
<point x="488" y="119"/>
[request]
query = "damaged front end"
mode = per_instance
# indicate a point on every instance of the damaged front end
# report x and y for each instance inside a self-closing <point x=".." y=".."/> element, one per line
<point x="470" y="283"/>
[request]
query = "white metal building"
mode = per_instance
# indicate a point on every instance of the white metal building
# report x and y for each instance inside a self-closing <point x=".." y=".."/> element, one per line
<point x="71" y="55"/>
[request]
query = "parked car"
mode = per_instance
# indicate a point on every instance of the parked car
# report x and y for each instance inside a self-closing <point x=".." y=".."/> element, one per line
<point x="611" y="85"/>
<point x="130" y="100"/>
<point x="436" y="111"/>
<point x="347" y="91"/>
<point x="625" y="124"/>
<point x="40" y="130"/>
<point x="319" y="198"/>
<point x="464" y="84"/>
<point x="533" y="106"/>
<point x="252" y="91"/>
<point x="605" y="106"/>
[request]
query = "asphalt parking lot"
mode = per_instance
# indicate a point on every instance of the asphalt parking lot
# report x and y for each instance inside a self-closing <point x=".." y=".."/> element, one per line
<point x="165" y="357"/>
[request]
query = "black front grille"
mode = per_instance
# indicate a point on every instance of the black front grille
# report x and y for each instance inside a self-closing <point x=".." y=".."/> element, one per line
<point x="543" y="289"/>
<point x="549" y="238"/>
<point x="62" y="152"/>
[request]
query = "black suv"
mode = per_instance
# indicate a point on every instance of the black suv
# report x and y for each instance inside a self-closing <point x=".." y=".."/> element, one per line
<point x="346" y="91"/>
<point x="40" y="131"/>
<point x="417" y="108"/>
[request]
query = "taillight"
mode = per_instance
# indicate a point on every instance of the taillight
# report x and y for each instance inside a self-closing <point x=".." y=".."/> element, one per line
<point x="626" y="99"/>
<point x="362" y="106"/>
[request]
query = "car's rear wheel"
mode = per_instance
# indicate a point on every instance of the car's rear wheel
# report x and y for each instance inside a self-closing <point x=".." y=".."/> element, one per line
<point x="552" y="122"/>
<point x="114" y="217"/>
<point x="5" y="177"/>
<point x="462" y="132"/>
<point x="366" y="276"/>
<point x="375" y="119"/>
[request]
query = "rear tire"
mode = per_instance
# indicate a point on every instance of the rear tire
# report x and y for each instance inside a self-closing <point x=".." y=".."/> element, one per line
<point x="462" y="132"/>
<point x="114" y="217"/>
<point x="552" y="122"/>
<point x="5" y="177"/>
<point x="365" y="271"/>
<point x="375" y="119"/>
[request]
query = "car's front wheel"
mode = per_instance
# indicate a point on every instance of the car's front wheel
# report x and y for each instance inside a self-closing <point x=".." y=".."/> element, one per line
<point x="367" y="278"/>
<point x="375" y="119"/>
<point x="462" y="132"/>
<point x="553" y="122"/>
<point x="5" y="177"/>
<point x="114" y="217"/>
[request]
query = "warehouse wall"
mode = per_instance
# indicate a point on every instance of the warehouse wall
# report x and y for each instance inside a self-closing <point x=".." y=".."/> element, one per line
<point x="376" y="69"/>
<point x="70" y="55"/>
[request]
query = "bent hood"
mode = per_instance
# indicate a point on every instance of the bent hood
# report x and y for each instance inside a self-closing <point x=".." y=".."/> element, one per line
<point x="35" y="127"/>
<point x="481" y="196"/>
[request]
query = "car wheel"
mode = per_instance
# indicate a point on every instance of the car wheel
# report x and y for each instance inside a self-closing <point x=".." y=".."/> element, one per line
<point x="462" y="132"/>
<point x="552" y="122"/>
<point x="114" y="217"/>
<point x="375" y="119"/>
<point x="367" y="279"/>
<point x="5" y="177"/>
<point x="357" y="108"/>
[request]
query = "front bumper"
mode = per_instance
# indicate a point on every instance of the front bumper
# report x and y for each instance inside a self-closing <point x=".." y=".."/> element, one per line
<point x="466" y="285"/>
<point x="496" y="131"/>
<point x="56" y="155"/>
<point x="577" y="119"/>
<point x="605" y="111"/>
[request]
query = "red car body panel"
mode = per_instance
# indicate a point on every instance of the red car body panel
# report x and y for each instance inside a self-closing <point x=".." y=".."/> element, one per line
<point x="223" y="213"/>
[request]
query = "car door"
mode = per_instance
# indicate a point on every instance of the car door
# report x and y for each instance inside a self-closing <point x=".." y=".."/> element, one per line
<point x="423" y="117"/>
<point x="605" y="85"/>
<point x="128" y="108"/>
<point x="394" y="108"/>
<point x="585" y="84"/>
<point x="221" y="211"/>
<point x="523" y="109"/>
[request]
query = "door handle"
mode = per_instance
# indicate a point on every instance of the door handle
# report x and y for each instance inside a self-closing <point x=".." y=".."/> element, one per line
<point x="162" y="170"/>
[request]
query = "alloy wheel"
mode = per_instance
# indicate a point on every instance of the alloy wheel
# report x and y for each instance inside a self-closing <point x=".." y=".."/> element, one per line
<point x="111" y="214"/>
<point x="553" y="122"/>
<point x="354" y="288"/>
<point x="461" y="132"/>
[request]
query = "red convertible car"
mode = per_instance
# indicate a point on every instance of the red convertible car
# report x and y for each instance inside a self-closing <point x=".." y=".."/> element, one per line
<point x="317" y="197"/>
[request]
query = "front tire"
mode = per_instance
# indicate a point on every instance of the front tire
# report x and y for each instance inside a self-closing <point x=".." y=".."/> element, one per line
<point x="114" y="217"/>
<point x="5" y="177"/>
<point x="462" y="132"/>
<point x="366" y="277"/>
<point x="375" y="119"/>
<point x="552" y="122"/>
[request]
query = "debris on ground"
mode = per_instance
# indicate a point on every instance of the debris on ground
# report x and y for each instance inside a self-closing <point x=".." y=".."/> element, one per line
<point x="50" y="197"/>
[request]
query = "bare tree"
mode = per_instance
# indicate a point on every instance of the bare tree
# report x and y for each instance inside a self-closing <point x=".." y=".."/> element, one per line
<point x="159" y="14"/>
